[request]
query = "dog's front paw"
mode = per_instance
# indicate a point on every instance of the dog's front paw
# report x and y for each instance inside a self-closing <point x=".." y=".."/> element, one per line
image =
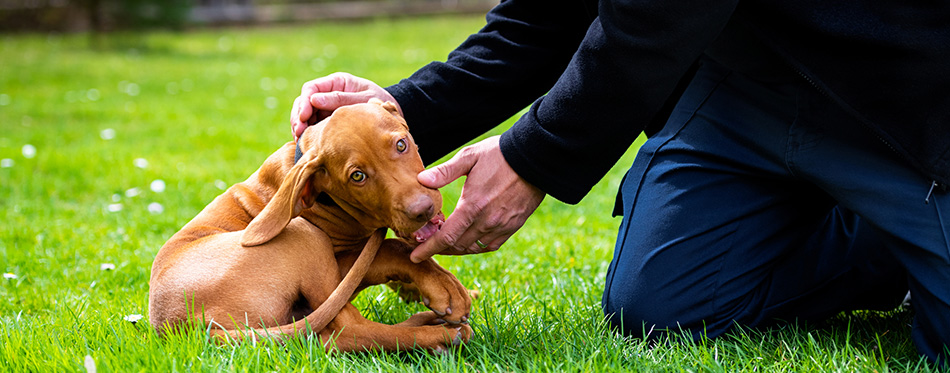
<point x="454" y="336"/>
<point x="422" y="319"/>
<point x="435" y="334"/>
<point x="446" y="297"/>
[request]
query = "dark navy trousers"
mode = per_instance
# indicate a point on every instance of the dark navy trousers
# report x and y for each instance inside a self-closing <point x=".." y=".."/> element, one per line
<point x="762" y="201"/>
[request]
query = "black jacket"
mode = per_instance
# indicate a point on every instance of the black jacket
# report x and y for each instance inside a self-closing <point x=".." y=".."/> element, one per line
<point x="611" y="68"/>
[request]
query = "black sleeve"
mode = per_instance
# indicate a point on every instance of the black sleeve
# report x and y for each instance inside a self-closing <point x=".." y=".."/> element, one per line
<point x="513" y="60"/>
<point x="629" y="62"/>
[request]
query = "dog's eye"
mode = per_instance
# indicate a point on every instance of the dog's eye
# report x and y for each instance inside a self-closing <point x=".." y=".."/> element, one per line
<point x="358" y="176"/>
<point x="401" y="145"/>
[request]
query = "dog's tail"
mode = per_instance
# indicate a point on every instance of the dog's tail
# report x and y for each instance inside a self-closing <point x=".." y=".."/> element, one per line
<point x="319" y="318"/>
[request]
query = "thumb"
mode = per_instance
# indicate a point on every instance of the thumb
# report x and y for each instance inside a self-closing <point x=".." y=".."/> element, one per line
<point x="443" y="174"/>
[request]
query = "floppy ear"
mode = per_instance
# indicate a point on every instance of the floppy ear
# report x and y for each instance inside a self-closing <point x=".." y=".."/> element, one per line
<point x="295" y="194"/>
<point x="388" y="105"/>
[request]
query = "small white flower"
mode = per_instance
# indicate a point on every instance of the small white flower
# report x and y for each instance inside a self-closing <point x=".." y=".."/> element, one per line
<point x="106" y="266"/>
<point x="9" y="276"/>
<point x="29" y="151"/>
<point x="90" y="364"/>
<point x="133" y="192"/>
<point x="220" y="184"/>
<point x="155" y="208"/>
<point x="318" y="64"/>
<point x="140" y="162"/>
<point x="225" y="43"/>
<point x="280" y="84"/>
<point x="93" y="94"/>
<point x="107" y="134"/>
<point x="157" y="186"/>
<point x="116" y="197"/>
<point x="115" y="207"/>
<point x="133" y="318"/>
<point x="271" y="102"/>
<point x="233" y="68"/>
<point x="330" y="50"/>
<point x="6" y="163"/>
<point x="266" y="83"/>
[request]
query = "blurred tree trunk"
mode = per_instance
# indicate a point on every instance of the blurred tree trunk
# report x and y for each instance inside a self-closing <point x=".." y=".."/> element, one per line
<point x="96" y="26"/>
<point x="94" y="7"/>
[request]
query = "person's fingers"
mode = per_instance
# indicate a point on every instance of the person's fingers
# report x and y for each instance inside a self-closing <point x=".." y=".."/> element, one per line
<point x="486" y="236"/>
<point x="299" y="116"/>
<point x="321" y="96"/>
<point x="494" y="204"/>
<point x="477" y="241"/>
<point x="332" y="100"/>
<point x="498" y="242"/>
<point x="460" y="165"/>
<point x="302" y="109"/>
<point x="463" y="218"/>
<point x="449" y="240"/>
<point x="336" y="82"/>
<point x="332" y="82"/>
<point x="454" y="226"/>
<point x="303" y="112"/>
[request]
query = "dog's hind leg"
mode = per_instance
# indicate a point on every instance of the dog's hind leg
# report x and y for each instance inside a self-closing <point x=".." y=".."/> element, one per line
<point x="325" y="293"/>
<point x="350" y="331"/>
<point x="438" y="288"/>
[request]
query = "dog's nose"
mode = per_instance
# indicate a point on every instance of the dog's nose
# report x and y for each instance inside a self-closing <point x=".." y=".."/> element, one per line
<point x="421" y="209"/>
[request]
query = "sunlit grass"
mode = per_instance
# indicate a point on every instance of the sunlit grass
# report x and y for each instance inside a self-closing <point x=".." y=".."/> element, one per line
<point x="105" y="152"/>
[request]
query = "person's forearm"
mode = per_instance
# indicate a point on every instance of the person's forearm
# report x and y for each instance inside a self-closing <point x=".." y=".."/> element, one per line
<point x="628" y="64"/>
<point x="495" y="73"/>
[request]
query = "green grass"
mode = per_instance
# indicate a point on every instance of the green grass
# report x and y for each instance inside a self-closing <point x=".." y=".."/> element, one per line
<point x="204" y="108"/>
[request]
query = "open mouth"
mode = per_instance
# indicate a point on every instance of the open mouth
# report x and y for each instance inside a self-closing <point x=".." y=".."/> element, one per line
<point x="427" y="231"/>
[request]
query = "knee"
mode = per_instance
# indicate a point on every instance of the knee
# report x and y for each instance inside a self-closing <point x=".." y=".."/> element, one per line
<point x="638" y="311"/>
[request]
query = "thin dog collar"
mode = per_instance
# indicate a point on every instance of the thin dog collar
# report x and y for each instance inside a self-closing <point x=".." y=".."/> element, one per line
<point x="297" y="154"/>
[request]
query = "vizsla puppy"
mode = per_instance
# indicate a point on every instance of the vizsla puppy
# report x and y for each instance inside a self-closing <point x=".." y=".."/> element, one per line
<point x="265" y="258"/>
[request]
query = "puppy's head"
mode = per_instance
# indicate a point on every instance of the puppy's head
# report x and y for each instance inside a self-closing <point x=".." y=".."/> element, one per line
<point x="362" y="161"/>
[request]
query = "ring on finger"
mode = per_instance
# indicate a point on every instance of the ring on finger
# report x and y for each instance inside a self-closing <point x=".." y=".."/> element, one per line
<point x="480" y="244"/>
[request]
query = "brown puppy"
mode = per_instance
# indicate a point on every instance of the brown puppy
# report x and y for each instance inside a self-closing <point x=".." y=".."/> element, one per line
<point x="269" y="251"/>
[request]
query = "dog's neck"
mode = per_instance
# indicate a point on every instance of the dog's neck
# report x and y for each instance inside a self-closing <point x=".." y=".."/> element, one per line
<point x="345" y="232"/>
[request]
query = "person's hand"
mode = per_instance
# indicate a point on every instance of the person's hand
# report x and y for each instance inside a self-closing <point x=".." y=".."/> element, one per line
<point x="495" y="202"/>
<point x="320" y="97"/>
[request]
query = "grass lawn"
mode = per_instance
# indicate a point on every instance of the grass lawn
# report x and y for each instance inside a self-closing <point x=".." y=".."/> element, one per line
<point x="105" y="152"/>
